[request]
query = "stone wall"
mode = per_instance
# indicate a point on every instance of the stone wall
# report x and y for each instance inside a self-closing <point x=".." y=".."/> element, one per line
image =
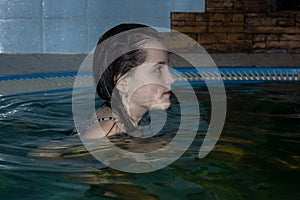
<point x="241" y="26"/>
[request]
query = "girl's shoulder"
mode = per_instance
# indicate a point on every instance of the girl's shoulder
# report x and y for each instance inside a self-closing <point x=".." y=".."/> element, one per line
<point x="101" y="124"/>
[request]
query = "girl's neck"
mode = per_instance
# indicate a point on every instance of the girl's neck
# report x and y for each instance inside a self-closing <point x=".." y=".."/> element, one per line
<point x="135" y="112"/>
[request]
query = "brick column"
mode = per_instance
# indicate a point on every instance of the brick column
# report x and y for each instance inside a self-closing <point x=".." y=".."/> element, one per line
<point x="241" y="26"/>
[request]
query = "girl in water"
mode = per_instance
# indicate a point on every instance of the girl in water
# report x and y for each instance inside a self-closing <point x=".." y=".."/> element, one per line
<point x="131" y="73"/>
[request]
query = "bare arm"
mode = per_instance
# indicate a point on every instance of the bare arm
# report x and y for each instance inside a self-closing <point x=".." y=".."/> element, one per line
<point x="101" y="129"/>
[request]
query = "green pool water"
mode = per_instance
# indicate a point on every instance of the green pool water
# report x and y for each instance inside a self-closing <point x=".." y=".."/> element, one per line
<point x="256" y="157"/>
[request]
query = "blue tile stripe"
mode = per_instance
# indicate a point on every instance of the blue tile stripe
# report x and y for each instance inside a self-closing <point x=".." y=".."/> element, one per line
<point x="241" y="69"/>
<point x="181" y="70"/>
<point x="44" y="75"/>
<point x="63" y="81"/>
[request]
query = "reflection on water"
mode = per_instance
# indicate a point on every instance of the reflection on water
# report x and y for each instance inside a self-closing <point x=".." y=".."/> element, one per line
<point x="256" y="157"/>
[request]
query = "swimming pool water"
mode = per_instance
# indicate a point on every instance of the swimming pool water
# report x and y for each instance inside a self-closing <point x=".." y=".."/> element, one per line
<point x="256" y="157"/>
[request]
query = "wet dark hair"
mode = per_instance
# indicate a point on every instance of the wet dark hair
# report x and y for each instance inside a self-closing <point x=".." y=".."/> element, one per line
<point x="117" y="67"/>
<point x="118" y="51"/>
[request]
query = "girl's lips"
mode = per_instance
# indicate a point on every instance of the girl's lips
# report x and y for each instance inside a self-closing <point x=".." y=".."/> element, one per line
<point x="167" y="93"/>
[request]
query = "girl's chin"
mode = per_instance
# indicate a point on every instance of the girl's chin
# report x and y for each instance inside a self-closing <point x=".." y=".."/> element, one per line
<point x="161" y="106"/>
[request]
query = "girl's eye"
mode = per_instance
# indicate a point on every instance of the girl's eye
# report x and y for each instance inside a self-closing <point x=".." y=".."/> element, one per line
<point x="158" y="68"/>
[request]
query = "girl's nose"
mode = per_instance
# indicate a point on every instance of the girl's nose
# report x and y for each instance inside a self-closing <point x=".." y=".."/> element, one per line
<point x="169" y="78"/>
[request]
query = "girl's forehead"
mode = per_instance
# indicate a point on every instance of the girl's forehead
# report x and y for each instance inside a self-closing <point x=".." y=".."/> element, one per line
<point x="156" y="56"/>
<point x="156" y="52"/>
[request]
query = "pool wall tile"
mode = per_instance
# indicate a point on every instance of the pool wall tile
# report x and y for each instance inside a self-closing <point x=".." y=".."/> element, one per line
<point x="20" y="9"/>
<point x="74" y="26"/>
<point x="151" y="8"/>
<point x="65" y="35"/>
<point x="189" y="5"/>
<point x="61" y="9"/>
<point x="20" y="35"/>
<point x="155" y="22"/>
<point x="109" y="10"/>
<point x="97" y="27"/>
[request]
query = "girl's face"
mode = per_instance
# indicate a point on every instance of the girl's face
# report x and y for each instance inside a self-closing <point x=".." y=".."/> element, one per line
<point x="149" y="86"/>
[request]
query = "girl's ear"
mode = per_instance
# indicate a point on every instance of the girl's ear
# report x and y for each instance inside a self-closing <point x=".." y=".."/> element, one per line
<point x="122" y="85"/>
